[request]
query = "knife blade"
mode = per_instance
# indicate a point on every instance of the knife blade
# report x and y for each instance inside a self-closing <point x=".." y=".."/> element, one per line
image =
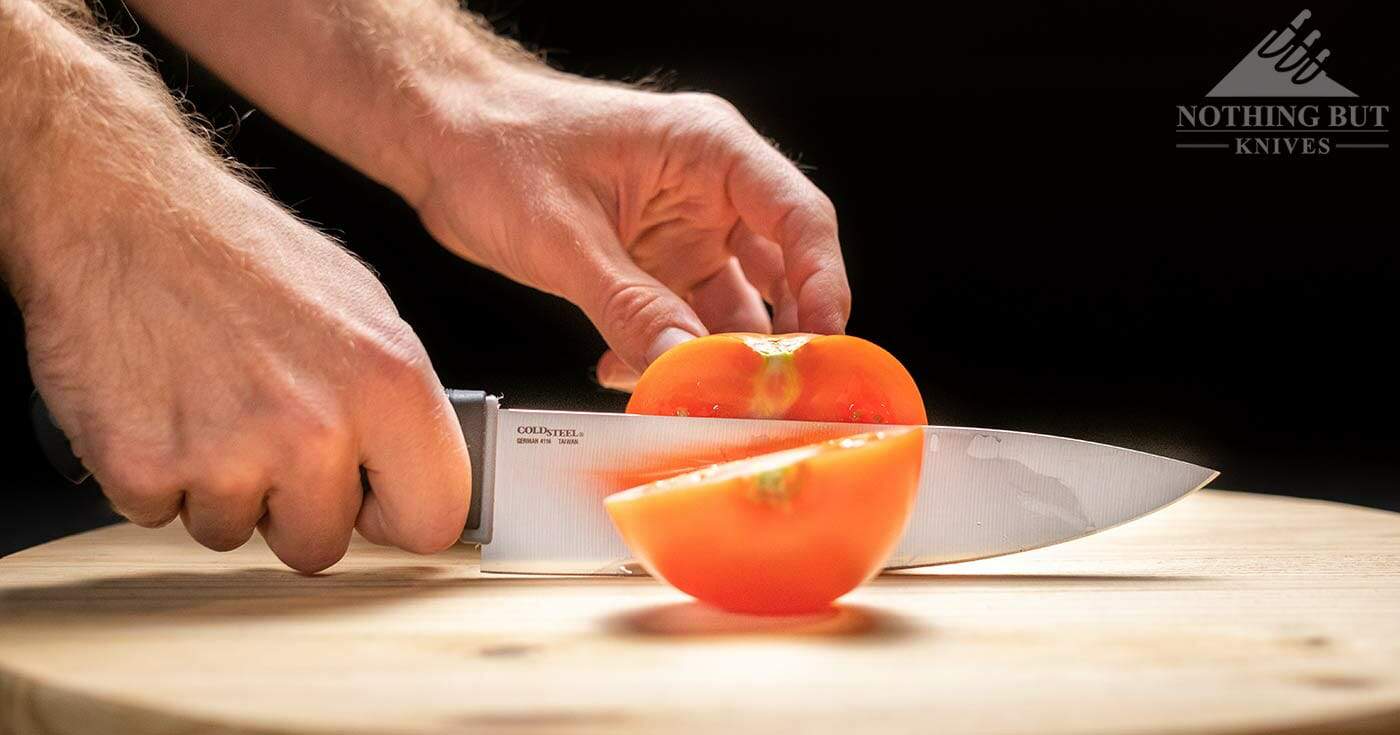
<point x="539" y="478"/>
<point x="981" y="493"/>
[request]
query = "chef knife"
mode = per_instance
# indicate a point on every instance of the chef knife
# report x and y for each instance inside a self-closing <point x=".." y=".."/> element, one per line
<point x="539" y="477"/>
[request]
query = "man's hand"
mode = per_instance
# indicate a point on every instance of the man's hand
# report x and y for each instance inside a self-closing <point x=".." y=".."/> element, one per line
<point x="216" y="359"/>
<point x="209" y="356"/>
<point x="662" y="216"/>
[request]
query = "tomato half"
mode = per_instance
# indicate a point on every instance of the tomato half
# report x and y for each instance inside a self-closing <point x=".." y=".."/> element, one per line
<point x="785" y="376"/>
<point x="781" y="533"/>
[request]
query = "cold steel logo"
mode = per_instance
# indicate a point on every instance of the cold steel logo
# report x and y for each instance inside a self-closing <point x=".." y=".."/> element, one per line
<point x="1279" y="100"/>
<point x="546" y="435"/>
<point x="546" y="431"/>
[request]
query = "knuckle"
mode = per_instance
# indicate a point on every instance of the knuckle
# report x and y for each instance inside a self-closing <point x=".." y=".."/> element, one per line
<point x="311" y="558"/>
<point x="704" y="120"/>
<point x="226" y="470"/>
<point x="808" y="220"/>
<point x="632" y="308"/>
<point x="399" y="360"/>
<point x="146" y="519"/>
<point x="822" y="204"/>
<point x="222" y="539"/>
<point x="836" y="313"/>
<point x="222" y="490"/>
<point x="712" y="104"/>
<point x="843" y="304"/>
<point x="133" y="477"/>
<point x="316" y="434"/>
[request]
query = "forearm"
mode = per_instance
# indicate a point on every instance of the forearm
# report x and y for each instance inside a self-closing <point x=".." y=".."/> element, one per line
<point x="354" y="76"/>
<point x="85" y="130"/>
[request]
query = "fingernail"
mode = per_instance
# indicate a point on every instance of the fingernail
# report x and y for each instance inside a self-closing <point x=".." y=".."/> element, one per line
<point x="669" y="337"/>
<point x="614" y="374"/>
<point x="625" y="381"/>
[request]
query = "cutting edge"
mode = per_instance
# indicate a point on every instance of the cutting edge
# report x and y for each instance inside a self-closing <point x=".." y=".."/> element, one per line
<point x="1088" y="532"/>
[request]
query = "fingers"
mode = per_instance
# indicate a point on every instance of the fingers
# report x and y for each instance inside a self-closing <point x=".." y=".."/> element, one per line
<point x="416" y="462"/>
<point x="294" y="471"/>
<point x="613" y="373"/>
<point x="762" y="263"/>
<point x="638" y="316"/>
<point x="146" y="507"/>
<point x="311" y="513"/>
<point x="222" y="515"/>
<point x="140" y="482"/>
<point x="227" y="483"/>
<point x="778" y="203"/>
<point x="314" y="488"/>
<point x="725" y="302"/>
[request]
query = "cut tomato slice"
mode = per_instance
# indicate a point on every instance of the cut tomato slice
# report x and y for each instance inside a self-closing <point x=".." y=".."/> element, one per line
<point x="781" y="533"/>
<point x="786" y="376"/>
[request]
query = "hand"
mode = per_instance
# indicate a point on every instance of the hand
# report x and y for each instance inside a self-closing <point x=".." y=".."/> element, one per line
<point x="663" y="216"/>
<point x="213" y="358"/>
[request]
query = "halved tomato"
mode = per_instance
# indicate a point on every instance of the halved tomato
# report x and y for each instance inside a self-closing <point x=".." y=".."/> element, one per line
<point x="781" y="533"/>
<point x="785" y="376"/>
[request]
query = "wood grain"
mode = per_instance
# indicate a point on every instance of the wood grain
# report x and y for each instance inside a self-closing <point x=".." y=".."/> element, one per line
<point x="1226" y="613"/>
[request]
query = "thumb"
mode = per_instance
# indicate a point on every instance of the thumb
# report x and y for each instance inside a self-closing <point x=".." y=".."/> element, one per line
<point x="638" y="316"/>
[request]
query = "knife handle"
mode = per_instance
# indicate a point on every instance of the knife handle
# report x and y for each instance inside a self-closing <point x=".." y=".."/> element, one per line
<point x="476" y="411"/>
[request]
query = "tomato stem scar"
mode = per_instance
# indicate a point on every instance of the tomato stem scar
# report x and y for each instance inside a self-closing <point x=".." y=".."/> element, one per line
<point x="772" y="487"/>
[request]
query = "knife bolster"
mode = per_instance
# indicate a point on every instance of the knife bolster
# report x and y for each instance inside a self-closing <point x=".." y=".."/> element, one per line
<point x="477" y="411"/>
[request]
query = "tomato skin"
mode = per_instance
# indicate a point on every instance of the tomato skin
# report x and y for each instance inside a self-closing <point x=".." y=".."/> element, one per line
<point x="783" y="533"/>
<point x="788" y="376"/>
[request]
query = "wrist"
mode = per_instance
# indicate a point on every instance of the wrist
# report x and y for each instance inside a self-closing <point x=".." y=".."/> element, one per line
<point x="88" y="190"/>
<point x="82" y="130"/>
<point x="81" y="223"/>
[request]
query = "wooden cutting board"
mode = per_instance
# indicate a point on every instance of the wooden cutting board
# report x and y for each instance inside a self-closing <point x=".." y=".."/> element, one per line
<point x="1226" y="613"/>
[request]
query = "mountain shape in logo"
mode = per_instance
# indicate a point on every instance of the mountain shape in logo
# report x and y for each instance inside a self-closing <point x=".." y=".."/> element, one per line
<point x="1282" y="65"/>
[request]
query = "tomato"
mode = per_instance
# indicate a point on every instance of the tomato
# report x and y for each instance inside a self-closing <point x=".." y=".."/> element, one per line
<point x="780" y="533"/>
<point x="784" y="376"/>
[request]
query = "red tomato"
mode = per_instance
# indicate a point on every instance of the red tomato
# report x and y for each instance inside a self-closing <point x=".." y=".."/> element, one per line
<point x="786" y="376"/>
<point x="781" y="533"/>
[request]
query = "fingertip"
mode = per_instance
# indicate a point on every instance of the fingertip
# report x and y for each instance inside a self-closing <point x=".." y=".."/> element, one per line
<point x="785" y="318"/>
<point x="668" y="338"/>
<point x="614" y="374"/>
<point x="824" y="304"/>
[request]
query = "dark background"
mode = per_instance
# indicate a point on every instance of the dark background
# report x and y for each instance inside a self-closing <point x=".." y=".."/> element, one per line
<point x="1018" y="228"/>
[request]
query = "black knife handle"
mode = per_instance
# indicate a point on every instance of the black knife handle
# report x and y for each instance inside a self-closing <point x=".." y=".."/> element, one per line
<point x="476" y="411"/>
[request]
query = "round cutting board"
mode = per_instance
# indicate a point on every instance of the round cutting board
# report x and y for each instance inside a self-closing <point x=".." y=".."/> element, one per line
<point x="1226" y="613"/>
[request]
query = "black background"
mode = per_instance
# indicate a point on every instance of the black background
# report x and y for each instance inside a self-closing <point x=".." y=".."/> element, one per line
<point x="1017" y="224"/>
